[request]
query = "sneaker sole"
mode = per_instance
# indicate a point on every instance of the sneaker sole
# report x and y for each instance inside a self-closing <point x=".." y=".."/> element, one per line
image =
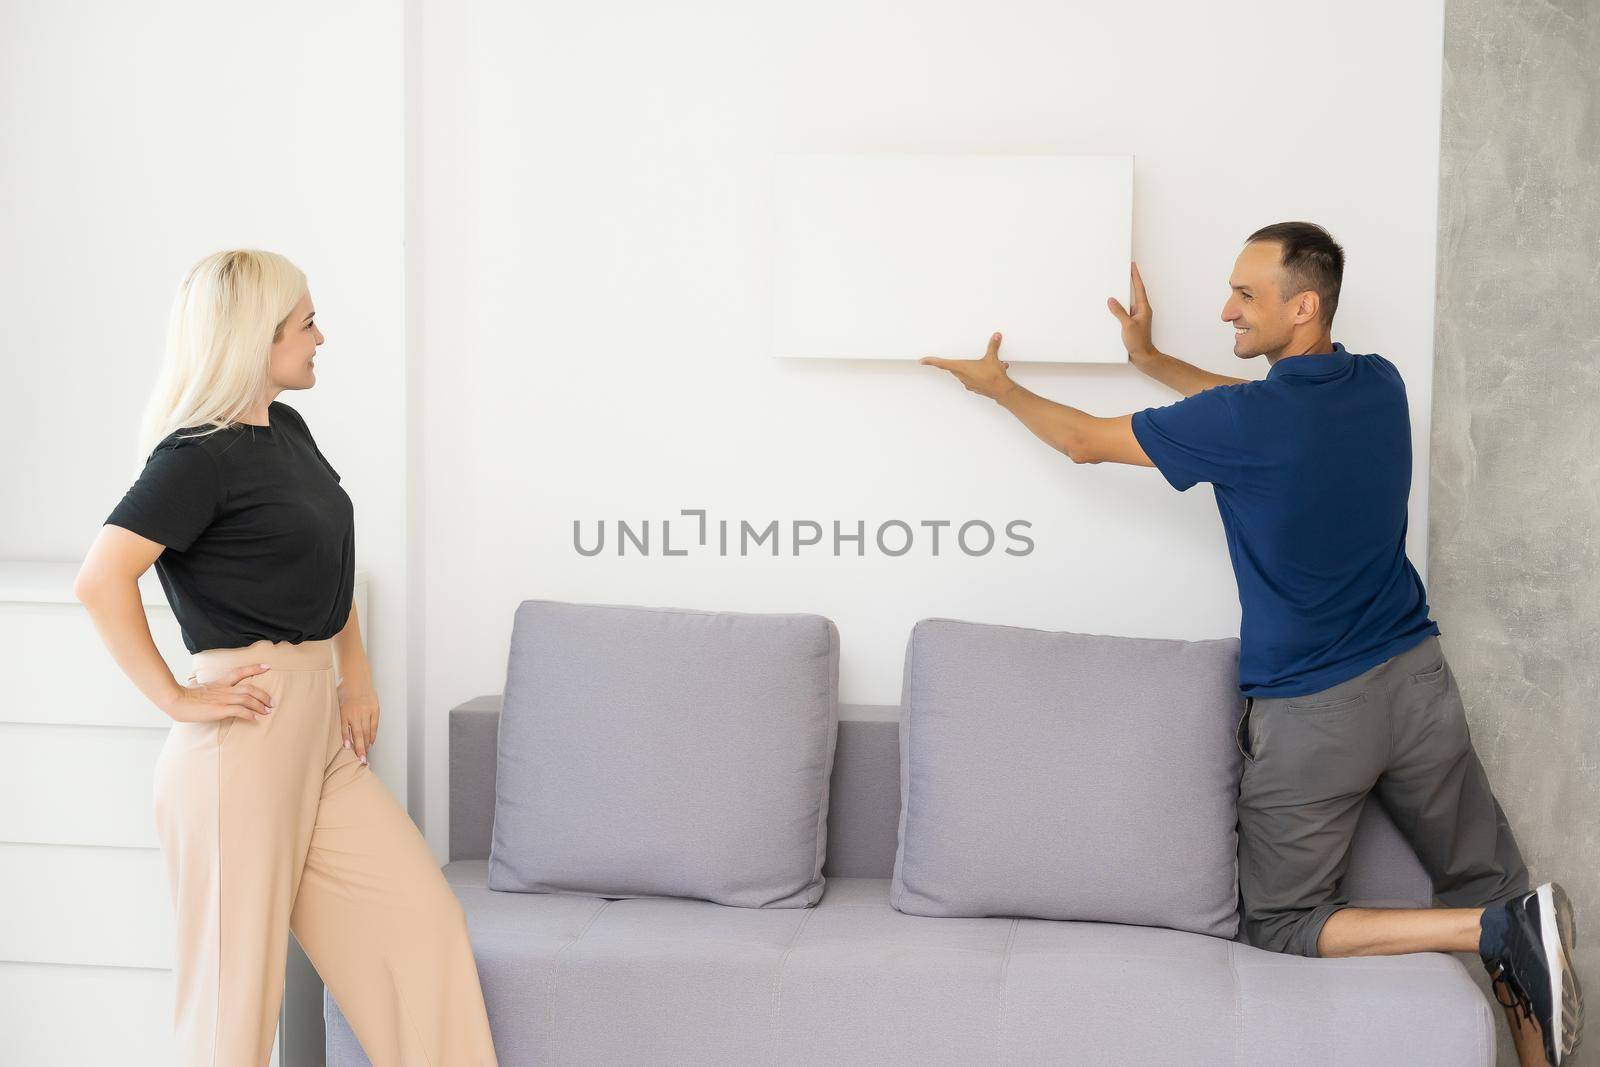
<point x="1559" y="931"/>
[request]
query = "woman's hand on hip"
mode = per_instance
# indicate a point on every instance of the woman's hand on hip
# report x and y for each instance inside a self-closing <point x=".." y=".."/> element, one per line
<point x="222" y="697"/>
<point x="358" y="713"/>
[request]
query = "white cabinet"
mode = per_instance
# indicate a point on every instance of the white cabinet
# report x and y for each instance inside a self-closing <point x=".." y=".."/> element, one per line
<point x="86" y="927"/>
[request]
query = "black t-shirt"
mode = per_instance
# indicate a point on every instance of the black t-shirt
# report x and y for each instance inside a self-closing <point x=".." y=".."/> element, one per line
<point x="260" y="535"/>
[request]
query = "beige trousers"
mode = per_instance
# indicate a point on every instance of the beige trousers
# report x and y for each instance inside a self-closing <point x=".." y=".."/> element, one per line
<point x="273" y="826"/>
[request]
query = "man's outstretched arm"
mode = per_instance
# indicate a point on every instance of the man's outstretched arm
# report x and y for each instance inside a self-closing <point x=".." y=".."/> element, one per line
<point x="1083" y="437"/>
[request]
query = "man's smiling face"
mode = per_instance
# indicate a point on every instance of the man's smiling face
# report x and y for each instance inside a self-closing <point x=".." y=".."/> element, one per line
<point x="1262" y="320"/>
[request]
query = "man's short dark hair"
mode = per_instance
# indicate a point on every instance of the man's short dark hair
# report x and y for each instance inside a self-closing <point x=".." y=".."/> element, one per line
<point x="1311" y="259"/>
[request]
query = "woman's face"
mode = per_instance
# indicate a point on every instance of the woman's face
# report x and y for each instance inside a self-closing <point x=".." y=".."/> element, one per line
<point x="290" y="364"/>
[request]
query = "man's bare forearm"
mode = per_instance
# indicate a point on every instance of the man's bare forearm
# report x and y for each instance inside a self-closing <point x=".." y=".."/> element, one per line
<point x="1186" y="378"/>
<point x="1057" y="425"/>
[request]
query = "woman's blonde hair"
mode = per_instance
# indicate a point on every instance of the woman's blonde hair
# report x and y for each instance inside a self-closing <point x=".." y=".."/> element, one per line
<point x="227" y="313"/>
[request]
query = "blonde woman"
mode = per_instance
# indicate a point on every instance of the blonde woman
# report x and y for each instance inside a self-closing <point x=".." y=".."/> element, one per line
<point x="269" y="816"/>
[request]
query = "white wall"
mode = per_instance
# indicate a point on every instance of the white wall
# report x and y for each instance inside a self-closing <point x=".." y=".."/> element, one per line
<point x="597" y="283"/>
<point x="536" y="238"/>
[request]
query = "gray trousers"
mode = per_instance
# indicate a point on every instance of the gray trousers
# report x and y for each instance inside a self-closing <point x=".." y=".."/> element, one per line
<point x="1310" y="761"/>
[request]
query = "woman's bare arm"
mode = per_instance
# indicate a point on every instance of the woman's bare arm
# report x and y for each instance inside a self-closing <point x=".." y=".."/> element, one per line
<point x="351" y="654"/>
<point x="108" y="586"/>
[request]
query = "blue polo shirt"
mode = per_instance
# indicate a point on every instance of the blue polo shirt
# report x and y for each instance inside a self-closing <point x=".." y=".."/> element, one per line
<point x="1311" y="469"/>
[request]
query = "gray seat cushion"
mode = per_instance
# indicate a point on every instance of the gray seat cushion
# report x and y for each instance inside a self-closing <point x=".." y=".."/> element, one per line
<point x="576" y="980"/>
<point x="665" y="752"/>
<point x="1068" y="776"/>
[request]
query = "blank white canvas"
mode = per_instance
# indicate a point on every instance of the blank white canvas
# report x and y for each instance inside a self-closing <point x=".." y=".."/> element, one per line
<point x="900" y="256"/>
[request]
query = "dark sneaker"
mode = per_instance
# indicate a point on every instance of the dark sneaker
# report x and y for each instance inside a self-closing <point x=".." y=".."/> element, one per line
<point x="1534" y="967"/>
<point x="1509" y="994"/>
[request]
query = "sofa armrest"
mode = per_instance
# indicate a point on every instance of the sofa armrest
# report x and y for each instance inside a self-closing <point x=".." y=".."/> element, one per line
<point x="474" y="728"/>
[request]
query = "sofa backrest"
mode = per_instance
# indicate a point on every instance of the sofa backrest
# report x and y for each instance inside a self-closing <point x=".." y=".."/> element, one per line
<point x="864" y="806"/>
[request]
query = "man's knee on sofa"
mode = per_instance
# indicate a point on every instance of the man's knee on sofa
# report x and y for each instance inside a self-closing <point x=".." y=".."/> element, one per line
<point x="1289" y="930"/>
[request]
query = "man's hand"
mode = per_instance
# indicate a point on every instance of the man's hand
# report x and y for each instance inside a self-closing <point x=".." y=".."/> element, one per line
<point x="1135" y="323"/>
<point x="986" y="376"/>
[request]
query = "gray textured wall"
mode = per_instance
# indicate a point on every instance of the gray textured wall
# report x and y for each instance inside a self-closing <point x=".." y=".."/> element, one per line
<point x="1514" y="524"/>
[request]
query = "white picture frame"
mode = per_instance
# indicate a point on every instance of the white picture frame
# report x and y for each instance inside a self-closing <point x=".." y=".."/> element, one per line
<point x="905" y="255"/>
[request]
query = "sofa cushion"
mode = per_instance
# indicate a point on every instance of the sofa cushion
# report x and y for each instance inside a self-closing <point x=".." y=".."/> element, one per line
<point x="1068" y="776"/>
<point x="575" y="981"/>
<point x="665" y="752"/>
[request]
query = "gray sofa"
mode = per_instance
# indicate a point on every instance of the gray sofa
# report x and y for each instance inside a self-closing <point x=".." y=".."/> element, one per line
<point x="572" y="979"/>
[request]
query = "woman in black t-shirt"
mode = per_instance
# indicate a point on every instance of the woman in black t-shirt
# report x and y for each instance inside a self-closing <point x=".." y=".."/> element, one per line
<point x="271" y="820"/>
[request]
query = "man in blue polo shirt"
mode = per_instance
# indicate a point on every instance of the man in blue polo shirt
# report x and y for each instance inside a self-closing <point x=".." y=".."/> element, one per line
<point x="1346" y="688"/>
